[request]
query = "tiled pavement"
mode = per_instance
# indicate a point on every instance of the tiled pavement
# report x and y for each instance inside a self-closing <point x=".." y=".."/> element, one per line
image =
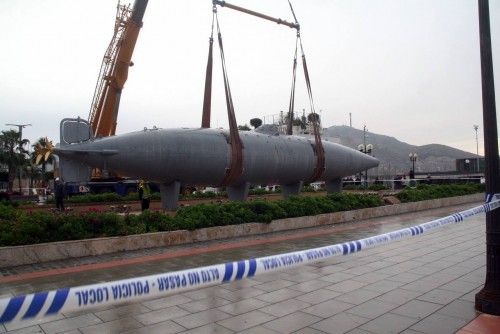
<point x="424" y="284"/>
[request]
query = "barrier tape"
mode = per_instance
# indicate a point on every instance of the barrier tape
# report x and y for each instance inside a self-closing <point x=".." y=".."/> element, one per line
<point x="46" y="304"/>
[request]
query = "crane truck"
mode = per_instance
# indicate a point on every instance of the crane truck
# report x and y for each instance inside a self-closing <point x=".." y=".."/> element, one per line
<point x="106" y="100"/>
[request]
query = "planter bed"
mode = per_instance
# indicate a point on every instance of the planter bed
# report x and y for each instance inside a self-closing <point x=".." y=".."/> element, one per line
<point x="44" y="252"/>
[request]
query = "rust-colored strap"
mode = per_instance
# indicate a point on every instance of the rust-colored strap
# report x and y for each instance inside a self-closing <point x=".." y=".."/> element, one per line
<point x="319" y="150"/>
<point x="291" y="105"/>
<point x="236" y="165"/>
<point x="207" y="98"/>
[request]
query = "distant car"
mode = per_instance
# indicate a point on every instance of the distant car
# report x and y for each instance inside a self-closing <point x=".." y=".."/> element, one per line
<point x="318" y="185"/>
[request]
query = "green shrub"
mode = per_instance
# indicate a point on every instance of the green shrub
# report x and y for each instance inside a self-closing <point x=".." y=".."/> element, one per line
<point x="153" y="221"/>
<point x="258" y="191"/>
<point x="264" y="211"/>
<point x="18" y="227"/>
<point x="308" y="189"/>
<point x="376" y="187"/>
<point x="7" y="211"/>
<point x="425" y="191"/>
<point x="353" y="187"/>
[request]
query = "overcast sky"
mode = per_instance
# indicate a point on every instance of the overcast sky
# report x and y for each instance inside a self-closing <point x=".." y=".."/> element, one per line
<point x="405" y="68"/>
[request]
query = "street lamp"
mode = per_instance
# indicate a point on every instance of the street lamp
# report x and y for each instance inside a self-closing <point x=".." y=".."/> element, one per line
<point x="413" y="157"/>
<point x="20" y="127"/>
<point x="476" y="127"/>
<point x="366" y="149"/>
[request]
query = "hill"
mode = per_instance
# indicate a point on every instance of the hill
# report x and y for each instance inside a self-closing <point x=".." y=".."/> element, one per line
<point x="393" y="154"/>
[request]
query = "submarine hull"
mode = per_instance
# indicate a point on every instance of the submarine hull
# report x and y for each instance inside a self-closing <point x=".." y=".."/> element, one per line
<point x="202" y="157"/>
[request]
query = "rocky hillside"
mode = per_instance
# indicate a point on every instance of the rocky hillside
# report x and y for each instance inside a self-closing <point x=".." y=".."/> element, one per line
<point x="393" y="154"/>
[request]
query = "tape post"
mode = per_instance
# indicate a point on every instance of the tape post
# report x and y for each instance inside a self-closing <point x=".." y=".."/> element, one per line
<point x="42" y="305"/>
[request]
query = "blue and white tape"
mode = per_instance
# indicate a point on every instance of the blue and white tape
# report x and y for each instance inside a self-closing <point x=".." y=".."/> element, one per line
<point x="51" y="303"/>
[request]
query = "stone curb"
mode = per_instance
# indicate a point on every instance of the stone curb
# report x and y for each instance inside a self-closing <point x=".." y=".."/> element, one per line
<point x="30" y="254"/>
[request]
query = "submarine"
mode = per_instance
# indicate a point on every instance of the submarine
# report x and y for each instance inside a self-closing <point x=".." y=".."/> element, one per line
<point x="202" y="157"/>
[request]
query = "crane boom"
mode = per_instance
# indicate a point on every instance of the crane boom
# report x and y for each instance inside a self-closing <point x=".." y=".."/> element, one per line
<point x="114" y="69"/>
<point x="257" y="14"/>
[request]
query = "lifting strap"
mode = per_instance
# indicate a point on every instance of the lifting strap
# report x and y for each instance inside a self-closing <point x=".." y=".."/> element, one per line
<point x="236" y="165"/>
<point x="207" y="98"/>
<point x="318" y="148"/>
<point x="291" y="104"/>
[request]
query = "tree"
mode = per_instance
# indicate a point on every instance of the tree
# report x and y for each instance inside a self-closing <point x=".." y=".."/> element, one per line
<point x="243" y="127"/>
<point x="298" y="122"/>
<point x="255" y="122"/>
<point x="42" y="154"/>
<point x="295" y="122"/>
<point x="312" y="117"/>
<point x="12" y="154"/>
<point x="304" y="122"/>
<point x="34" y="174"/>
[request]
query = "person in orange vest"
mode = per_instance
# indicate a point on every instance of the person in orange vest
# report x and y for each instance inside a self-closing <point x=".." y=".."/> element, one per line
<point x="144" y="194"/>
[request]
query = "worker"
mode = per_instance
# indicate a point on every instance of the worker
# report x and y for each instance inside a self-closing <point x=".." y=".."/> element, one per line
<point x="144" y="194"/>
<point x="59" y="193"/>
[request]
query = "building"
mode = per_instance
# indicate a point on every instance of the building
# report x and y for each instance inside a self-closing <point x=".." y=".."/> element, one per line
<point x="470" y="165"/>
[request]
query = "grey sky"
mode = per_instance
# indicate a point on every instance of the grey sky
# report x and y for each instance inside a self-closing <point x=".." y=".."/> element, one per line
<point x="405" y="68"/>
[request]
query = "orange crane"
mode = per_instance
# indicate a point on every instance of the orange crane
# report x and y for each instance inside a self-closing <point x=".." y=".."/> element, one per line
<point x="114" y="68"/>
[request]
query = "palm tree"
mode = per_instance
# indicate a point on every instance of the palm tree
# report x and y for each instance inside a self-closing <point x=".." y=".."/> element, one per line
<point x="42" y="154"/>
<point x="12" y="154"/>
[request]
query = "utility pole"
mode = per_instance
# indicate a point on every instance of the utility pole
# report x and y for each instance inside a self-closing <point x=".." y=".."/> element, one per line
<point x="488" y="299"/>
<point x="477" y="147"/>
<point x="350" y="120"/>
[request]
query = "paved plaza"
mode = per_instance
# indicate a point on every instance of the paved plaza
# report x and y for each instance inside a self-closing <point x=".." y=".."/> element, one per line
<point x="424" y="284"/>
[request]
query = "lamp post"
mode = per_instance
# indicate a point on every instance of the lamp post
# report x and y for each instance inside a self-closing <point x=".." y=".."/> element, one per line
<point x="488" y="299"/>
<point x="20" y="127"/>
<point x="413" y="158"/>
<point x="366" y="149"/>
<point x="476" y="127"/>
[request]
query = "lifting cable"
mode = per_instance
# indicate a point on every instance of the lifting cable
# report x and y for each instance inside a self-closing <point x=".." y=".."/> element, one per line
<point x="319" y="150"/>
<point x="207" y="98"/>
<point x="236" y="165"/>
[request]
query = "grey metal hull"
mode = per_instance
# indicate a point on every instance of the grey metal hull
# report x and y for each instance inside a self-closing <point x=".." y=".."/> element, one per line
<point x="201" y="156"/>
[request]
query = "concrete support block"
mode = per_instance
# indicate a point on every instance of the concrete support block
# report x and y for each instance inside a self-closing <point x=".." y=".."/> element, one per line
<point x="292" y="189"/>
<point x="170" y="195"/>
<point x="333" y="186"/>
<point x="238" y="192"/>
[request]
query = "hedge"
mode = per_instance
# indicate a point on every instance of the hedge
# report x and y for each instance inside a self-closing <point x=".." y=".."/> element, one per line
<point x="424" y="191"/>
<point x="18" y="227"/>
